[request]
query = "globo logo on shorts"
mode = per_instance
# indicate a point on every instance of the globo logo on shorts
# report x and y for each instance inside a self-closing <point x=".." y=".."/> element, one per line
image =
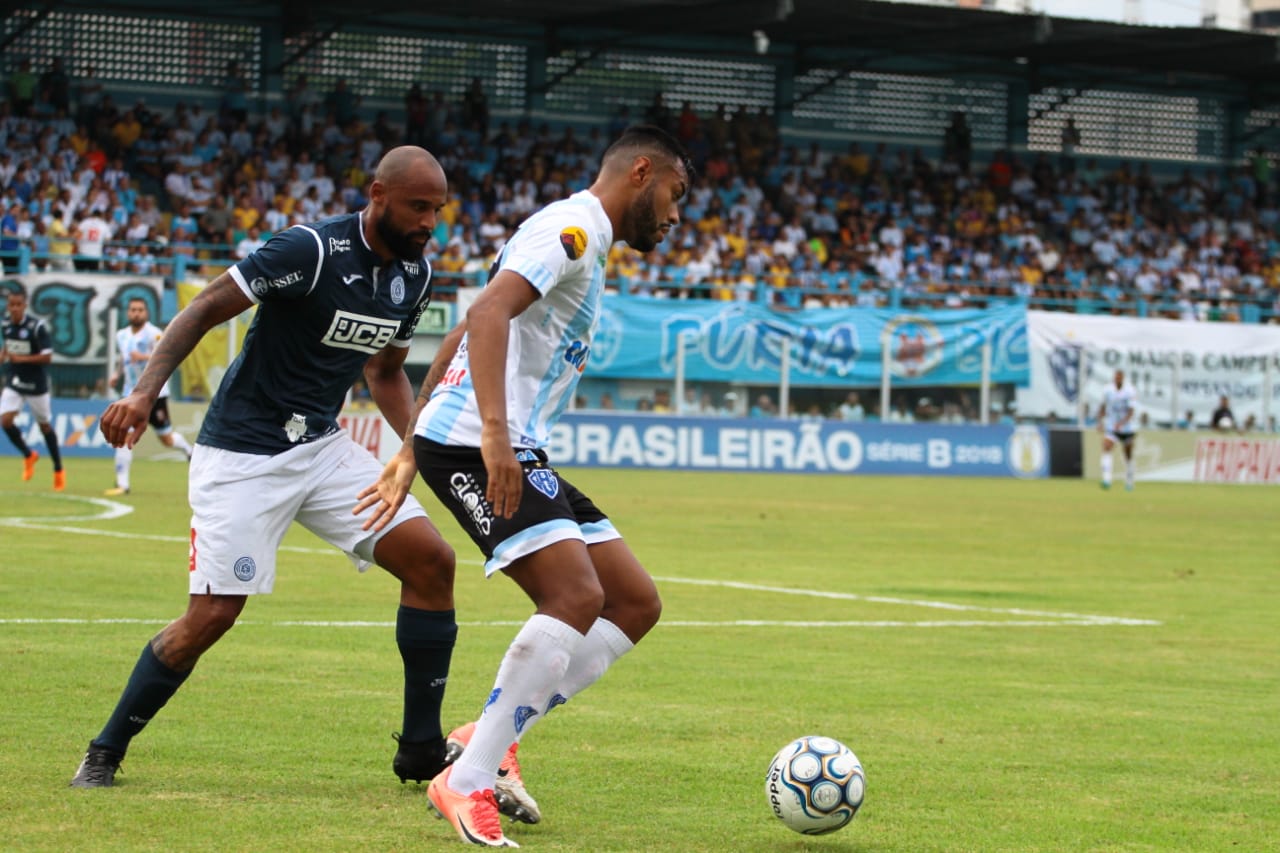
<point x="245" y="568"/>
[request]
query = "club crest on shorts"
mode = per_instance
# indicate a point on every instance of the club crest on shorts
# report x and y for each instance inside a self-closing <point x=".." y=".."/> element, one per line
<point x="544" y="481"/>
<point x="574" y="242"/>
<point x="296" y="428"/>
<point x="245" y="568"/>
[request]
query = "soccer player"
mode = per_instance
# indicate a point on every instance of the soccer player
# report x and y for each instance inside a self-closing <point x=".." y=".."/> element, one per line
<point x="479" y="445"/>
<point x="1115" y="422"/>
<point x="335" y="298"/>
<point x="135" y="343"/>
<point x="27" y="352"/>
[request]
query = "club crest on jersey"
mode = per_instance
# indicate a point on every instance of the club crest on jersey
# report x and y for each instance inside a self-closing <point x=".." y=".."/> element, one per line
<point x="544" y="481"/>
<point x="574" y="242"/>
<point x="296" y="427"/>
<point x="397" y="289"/>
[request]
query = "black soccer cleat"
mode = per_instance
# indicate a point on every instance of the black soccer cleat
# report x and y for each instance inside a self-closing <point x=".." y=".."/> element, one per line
<point x="419" y="760"/>
<point x="98" y="769"/>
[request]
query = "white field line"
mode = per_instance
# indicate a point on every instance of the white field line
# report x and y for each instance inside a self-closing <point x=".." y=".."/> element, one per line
<point x="109" y="510"/>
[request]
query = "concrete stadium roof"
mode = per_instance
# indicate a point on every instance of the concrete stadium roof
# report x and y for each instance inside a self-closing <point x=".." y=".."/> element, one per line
<point x="857" y="34"/>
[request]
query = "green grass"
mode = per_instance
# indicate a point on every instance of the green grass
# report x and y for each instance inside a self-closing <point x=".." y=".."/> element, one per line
<point x="998" y="734"/>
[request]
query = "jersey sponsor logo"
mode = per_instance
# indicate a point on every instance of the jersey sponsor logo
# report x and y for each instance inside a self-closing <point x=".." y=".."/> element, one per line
<point x="526" y="456"/>
<point x="577" y="355"/>
<point x="259" y="287"/>
<point x="544" y="481"/>
<point x="574" y="242"/>
<point x="352" y="279"/>
<point x="359" y="332"/>
<point x="466" y="491"/>
<point x="245" y="568"/>
<point x="296" y="427"/>
<point x="410" y="267"/>
<point x="337" y="246"/>
<point x="397" y="289"/>
<point x="286" y="280"/>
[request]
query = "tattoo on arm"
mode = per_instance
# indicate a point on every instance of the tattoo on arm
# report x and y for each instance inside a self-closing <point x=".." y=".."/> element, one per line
<point x="216" y="304"/>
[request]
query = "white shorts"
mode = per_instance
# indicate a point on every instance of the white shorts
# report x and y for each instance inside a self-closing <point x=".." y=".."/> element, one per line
<point x="242" y="504"/>
<point x="41" y="408"/>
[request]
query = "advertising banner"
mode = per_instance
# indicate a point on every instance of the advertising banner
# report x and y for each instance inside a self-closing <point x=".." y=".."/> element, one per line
<point x="1186" y="456"/>
<point x="1175" y="366"/>
<point x="77" y="307"/>
<point x="638" y="338"/>
<point x="797" y="446"/>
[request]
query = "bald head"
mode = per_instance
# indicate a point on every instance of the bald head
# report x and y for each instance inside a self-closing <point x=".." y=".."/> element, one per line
<point x="406" y="163"/>
<point x="409" y="188"/>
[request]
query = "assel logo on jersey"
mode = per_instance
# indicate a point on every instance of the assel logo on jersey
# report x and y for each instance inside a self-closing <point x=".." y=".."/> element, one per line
<point x="574" y="242"/>
<point x="359" y="332"/>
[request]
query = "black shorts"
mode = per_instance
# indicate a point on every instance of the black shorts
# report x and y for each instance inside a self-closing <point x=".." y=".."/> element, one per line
<point x="159" y="418"/>
<point x="551" y="508"/>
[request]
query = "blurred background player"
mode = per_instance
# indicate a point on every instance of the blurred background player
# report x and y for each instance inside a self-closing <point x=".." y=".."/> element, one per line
<point x="28" y="350"/>
<point x="1115" y="422"/>
<point x="135" y="343"/>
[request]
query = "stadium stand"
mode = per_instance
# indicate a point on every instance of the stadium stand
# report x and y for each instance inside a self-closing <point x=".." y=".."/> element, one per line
<point x="183" y="182"/>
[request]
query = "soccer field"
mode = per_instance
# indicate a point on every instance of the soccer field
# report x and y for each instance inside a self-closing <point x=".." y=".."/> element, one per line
<point x="1020" y="666"/>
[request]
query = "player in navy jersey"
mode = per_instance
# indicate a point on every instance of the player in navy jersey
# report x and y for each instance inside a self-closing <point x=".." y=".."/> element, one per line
<point x="26" y="355"/>
<point x="479" y="443"/>
<point x="337" y="300"/>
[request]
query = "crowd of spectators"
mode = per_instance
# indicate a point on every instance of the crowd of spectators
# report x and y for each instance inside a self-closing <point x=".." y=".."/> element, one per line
<point x="90" y="184"/>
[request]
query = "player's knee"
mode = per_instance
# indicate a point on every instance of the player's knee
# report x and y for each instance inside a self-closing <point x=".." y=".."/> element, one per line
<point x="583" y="602"/>
<point x="430" y="567"/>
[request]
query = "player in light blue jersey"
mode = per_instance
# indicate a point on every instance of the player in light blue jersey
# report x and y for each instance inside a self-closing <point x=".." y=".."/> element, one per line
<point x="337" y="300"/>
<point x="479" y="441"/>
<point x="1116" y="423"/>
<point x="135" y="343"/>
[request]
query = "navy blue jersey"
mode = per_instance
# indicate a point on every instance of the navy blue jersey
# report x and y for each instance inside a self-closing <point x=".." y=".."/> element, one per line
<point x="326" y="303"/>
<point x="30" y="337"/>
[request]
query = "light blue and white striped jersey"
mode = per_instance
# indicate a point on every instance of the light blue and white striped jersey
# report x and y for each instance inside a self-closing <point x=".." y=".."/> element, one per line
<point x="143" y="342"/>
<point x="1119" y="403"/>
<point x="561" y="250"/>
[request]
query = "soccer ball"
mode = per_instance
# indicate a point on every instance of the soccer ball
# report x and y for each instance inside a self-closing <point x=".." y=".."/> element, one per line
<point x="815" y="785"/>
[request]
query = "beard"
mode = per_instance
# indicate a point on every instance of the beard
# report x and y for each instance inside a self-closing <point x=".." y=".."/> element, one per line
<point x="403" y="244"/>
<point x="642" y="223"/>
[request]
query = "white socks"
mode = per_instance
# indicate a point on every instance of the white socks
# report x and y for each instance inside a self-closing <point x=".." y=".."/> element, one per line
<point x="181" y="443"/>
<point x="124" y="460"/>
<point x="603" y="645"/>
<point x="535" y="664"/>
<point x="1106" y="469"/>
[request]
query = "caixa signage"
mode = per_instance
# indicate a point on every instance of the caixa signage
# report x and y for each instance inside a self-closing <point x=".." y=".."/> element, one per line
<point x="794" y="446"/>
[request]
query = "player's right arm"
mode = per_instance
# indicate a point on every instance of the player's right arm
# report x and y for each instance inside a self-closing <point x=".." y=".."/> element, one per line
<point x="488" y="324"/>
<point x="125" y="420"/>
